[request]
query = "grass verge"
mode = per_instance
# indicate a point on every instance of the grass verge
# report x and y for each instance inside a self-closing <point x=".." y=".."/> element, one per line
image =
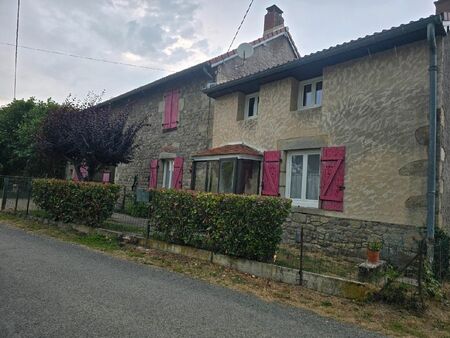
<point x="379" y="317"/>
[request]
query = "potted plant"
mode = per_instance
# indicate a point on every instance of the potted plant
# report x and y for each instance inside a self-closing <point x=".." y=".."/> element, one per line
<point x="373" y="251"/>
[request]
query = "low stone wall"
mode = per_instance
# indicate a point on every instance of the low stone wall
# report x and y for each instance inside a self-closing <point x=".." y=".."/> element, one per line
<point x="349" y="237"/>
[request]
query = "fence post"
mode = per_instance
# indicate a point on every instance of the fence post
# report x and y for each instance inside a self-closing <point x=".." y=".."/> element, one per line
<point x="17" y="197"/>
<point x="5" y="192"/>
<point x="30" y="187"/>
<point x="124" y="196"/>
<point x="421" y="267"/>
<point x="299" y="239"/>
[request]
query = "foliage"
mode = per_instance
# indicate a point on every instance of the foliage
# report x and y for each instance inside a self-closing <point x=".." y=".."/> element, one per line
<point x="374" y="245"/>
<point x="20" y="123"/>
<point x="67" y="201"/>
<point x="441" y="254"/>
<point x="135" y="208"/>
<point x="246" y="226"/>
<point x="88" y="134"/>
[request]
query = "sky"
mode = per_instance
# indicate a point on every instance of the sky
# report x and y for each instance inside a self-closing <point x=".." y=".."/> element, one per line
<point x="166" y="35"/>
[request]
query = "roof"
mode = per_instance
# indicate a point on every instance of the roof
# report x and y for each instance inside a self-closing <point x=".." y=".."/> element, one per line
<point x="207" y="65"/>
<point x="232" y="149"/>
<point x="311" y="65"/>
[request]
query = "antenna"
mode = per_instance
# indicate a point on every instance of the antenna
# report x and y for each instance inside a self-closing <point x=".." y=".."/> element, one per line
<point x="245" y="50"/>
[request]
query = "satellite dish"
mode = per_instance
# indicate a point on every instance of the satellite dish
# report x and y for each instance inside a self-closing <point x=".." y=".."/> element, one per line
<point x="245" y="50"/>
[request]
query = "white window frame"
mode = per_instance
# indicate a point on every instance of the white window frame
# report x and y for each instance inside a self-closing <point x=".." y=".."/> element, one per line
<point x="167" y="173"/>
<point x="247" y="105"/>
<point x="302" y="202"/>
<point x="313" y="83"/>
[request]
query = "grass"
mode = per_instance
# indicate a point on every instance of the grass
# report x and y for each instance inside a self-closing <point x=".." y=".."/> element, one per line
<point x="315" y="262"/>
<point x="387" y="319"/>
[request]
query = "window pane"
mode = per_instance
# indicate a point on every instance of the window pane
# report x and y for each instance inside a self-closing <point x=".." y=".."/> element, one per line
<point x="248" y="174"/>
<point x="226" y="182"/>
<point x="296" y="176"/>
<point x="319" y="93"/>
<point x="307" y="95"/>
<point x="213" y="176"/>
<point x="313" y="177"/>
<point x="251" y="106"/>
<point x="168" y="172"/>
<point x="200" y="175"/>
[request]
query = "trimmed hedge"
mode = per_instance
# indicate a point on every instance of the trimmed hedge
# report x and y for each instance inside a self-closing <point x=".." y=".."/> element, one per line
<point x="85" y="202"/>
<point x="247" y="226"/>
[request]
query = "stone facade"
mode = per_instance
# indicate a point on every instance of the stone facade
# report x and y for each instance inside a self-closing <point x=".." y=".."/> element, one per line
<point x="194" y="130"/>
<point x="377" y="107"/>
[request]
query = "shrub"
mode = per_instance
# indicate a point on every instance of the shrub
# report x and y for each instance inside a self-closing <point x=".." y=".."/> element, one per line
<point x="135" y="208"/>
<point x="246" y="226"/>
<point x="67" y="201"/>
<point x="441" y="254"/>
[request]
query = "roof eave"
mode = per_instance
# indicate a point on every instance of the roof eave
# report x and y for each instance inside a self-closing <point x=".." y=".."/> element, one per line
<point x="278" y="72"/>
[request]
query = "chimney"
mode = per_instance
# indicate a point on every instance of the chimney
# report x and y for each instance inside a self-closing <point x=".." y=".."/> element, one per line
<point x="273" y="19"/>
<point x="442" y="6"/>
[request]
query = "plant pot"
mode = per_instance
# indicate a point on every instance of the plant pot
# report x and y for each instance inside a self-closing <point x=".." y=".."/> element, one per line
<point x="373" y="256"/>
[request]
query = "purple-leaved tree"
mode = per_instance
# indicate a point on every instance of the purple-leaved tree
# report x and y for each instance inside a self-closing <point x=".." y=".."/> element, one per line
<point x="90" y="135"/>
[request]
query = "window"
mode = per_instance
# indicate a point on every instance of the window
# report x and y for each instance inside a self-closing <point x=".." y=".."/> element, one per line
<point x="251" y="106"/>
<point x="167" y="173"/>
<point x="303" y="178"/>
<point x="310" y="94"/>
<point x="227" y="175"/>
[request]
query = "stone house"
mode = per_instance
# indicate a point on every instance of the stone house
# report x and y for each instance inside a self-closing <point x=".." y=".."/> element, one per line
<point x="345" y="133"/>
<point x="179" y="116"/>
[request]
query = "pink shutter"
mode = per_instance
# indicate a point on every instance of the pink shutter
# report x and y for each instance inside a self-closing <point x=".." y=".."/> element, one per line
<point x="271" y="173"/>
<point x="167" y="110"/>
<point x="106" y="176"/>
<point x="332" y="171"/>
<point x="177" y="178"/>
<point x="174" y="111"/>
<point x="153" y="174"/>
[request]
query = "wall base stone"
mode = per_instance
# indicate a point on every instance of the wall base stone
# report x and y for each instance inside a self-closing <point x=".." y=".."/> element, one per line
<point x="349" y="237"/>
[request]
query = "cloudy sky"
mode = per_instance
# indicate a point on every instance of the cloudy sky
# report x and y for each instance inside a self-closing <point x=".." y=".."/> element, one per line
<point x="167" y="35"/>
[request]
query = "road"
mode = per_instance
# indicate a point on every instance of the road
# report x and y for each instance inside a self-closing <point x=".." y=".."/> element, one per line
<point x="50" y="288"/>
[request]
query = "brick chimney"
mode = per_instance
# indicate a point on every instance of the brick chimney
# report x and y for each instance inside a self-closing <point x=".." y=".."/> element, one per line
<point x="273" y="19"/>
<point x="442" y="6"/>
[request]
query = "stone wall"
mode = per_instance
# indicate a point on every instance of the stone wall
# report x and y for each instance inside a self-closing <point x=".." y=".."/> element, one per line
<point x="192" y="134"/>
<point x="349" y="237"/>
<point x="269" y="54"/>
<point x="375" y="106"/>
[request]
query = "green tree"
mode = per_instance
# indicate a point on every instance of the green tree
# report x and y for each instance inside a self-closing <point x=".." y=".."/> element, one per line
<point x="20" y="122"/>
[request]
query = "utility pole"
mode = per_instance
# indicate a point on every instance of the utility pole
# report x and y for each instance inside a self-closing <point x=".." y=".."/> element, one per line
<point x="17" y="43"/>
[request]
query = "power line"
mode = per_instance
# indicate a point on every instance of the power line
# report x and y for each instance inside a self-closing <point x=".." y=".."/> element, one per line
<point x="240" y="25"/>
<point x="17" y="43"/>
<point x="84" y="57"/>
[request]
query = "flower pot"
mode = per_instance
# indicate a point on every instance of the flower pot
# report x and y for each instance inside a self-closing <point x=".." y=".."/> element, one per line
<point x="373" y="256"/>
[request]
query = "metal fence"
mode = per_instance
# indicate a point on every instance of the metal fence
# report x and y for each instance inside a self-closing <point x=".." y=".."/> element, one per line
<point x="16" y="194"/>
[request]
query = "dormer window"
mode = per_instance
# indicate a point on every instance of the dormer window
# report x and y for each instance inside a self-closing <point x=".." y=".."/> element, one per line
<point x="310" y="93"/>
<point x="251" y="106"/>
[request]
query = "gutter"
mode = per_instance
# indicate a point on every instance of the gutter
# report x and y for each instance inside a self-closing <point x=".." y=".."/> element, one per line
<point x="431" y="177"/>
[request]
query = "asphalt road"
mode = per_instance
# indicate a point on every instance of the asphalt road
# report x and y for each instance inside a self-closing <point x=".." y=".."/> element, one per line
<point x="50" y="288"/>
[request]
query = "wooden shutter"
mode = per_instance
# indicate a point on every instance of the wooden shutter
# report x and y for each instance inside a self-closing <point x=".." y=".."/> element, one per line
<point x="167" y="110"/>
<point x="153" y="174"/>
<point x="174" y="110"/>
<point x="271" y="173"/>
<point x="177" y="178"/>
<point x="332" y="171"/>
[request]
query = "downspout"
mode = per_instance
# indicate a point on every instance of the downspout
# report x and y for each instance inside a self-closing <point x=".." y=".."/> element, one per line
<point x="431" y="181"/>
<point x="211" y="78"/>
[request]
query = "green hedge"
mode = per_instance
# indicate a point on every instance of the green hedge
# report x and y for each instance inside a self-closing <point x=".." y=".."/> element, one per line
<point x="245" y="226"/>
<point x="85" y="202"/>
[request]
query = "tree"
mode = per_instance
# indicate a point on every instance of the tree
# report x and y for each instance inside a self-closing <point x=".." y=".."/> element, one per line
<point x="20" y="123"/>
<point x="89" y="135"/>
